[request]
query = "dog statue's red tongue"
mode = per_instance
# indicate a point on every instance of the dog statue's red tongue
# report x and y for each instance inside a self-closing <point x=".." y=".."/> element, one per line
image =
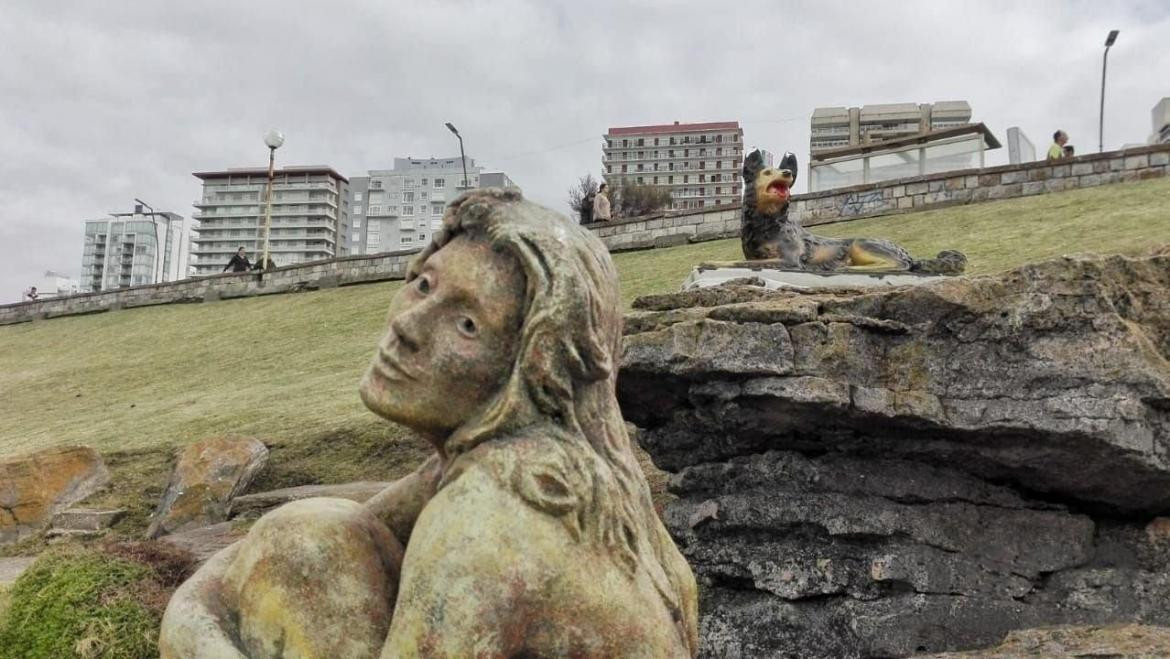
<point x="779" y="188"/>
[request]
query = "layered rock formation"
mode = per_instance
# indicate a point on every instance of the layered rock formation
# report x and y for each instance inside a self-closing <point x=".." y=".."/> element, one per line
<point x="35" y="487"/>
<point x="875" y="474"/>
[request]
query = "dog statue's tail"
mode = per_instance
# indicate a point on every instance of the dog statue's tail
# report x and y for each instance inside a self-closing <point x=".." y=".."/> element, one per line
<point x="948" y="262"/>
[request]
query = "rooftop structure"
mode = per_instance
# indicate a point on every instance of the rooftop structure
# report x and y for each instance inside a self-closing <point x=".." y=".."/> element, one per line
<point x="949" y="149"/>
<point x="698" y="163"/>
<point x="310" y="215"/>
<point x="836" y="127"/>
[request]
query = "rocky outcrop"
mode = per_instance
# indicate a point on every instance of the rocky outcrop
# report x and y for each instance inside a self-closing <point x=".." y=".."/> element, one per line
<point x="880" y="473"/>
<point x="208" y="475"/>
<point x="1091" y="642"/>
<point x="34" y="487"/>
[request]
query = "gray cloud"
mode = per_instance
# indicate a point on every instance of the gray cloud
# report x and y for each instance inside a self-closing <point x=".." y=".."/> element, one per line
<point x="104" y="102"/>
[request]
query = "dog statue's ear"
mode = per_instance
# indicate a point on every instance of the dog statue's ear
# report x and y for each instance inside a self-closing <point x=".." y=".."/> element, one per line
<point x="789" y="162"/>
<point x="752" y="164"/>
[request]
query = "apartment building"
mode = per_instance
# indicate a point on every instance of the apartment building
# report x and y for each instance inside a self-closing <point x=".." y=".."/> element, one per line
<point x="310" y="216"/>
<point x="400" y="208"/>
<point x="1160" y="118"/>
<point x="699" y="163"/>
<point x="135" y="249"/>
<point x="838" y="127"/>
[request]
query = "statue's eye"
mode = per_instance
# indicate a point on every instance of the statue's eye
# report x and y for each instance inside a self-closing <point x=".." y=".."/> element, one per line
<point x="767" y="172"/>
<point x="467" y="327"/>
<point x="423" y="285"/>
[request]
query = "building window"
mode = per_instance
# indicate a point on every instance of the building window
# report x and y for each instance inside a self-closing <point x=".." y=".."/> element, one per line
<point x="718" y="138"/>
<point x="436" y="209"/>
<point x="686" y="179"/>
<point x="439" y="183"/>
<point x="407" y="197"/>
<point x="623" y="169"/>
<point x="377" y="185"/>
<point x="357" y="196"/>
<point x="608" y="169"/>
<point x="357" y="210"/>
<point x="640" y="142"/>
<point x="702" y="178"/>
<point x="640" y="167"/>
<point x="408" y="183"/>
<point x="375" y="210"/>
<point x="423" y="183"/>
<point x="655" y="180"/>
<point x="408" y="210"/>
<point x="670" y="179"/>
<point x="406" y="240"/>
<point x="422" y="196"/>
<point x="357" y="224"/>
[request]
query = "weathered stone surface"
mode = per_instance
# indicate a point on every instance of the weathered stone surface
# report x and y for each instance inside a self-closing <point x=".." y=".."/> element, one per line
<point x="205" y="541"/>
<point x="928" y="469"/>
<point x="208" y="475"/>
<point x="1112" y="641"/>
<point x="84" y="522"/>
<point x="253" y="505"/>
<point x="12" y="567"/>
<point x="34" y="487"/>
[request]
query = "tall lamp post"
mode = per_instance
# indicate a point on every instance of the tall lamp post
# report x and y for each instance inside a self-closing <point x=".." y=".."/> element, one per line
<point x="158" y="249"/>
<point x="273" y="139"/>
<point x="462" y="158"/>
<point x="1109" y="41"/>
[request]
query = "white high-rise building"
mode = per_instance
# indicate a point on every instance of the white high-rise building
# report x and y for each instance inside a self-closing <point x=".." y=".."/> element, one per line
<point x="400" y="208"/>
<point x="134" y="249"/>
<point x="310" y="216"/>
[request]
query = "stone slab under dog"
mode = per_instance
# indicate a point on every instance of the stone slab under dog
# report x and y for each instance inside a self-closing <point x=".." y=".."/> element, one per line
<point x="775" y="278"/>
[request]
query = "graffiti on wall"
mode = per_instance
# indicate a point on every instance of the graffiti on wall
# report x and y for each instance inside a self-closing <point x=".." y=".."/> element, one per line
<point x="860" y="203"/>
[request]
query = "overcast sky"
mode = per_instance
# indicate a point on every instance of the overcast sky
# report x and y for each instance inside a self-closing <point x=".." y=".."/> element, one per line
<point x="102" y="102"/>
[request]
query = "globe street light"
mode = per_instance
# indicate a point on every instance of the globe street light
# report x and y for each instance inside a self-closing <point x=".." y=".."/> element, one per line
<point x="462" y="158"/>
<point x="1109" y="40"/>
<point x="274" y="139"/>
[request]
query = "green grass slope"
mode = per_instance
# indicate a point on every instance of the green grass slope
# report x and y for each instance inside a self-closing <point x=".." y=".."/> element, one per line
<point x="285" y="368"/>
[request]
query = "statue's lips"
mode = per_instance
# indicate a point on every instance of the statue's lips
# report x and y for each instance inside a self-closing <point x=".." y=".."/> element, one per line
<point x="778" y="188"/>
<point x="389" y="368"/>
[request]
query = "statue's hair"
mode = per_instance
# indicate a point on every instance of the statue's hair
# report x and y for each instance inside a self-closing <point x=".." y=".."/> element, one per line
<point x="563" y="385"/>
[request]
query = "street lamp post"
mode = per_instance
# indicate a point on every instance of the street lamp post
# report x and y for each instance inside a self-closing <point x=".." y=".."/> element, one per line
<point x="159" y="274"/>
<point x="1109" y="40"/>
<point x="462" y="158"/>
<point x="273" y="139"/>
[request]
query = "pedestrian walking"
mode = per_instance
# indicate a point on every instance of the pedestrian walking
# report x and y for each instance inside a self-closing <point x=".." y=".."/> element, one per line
<point x="601" y="211"/>
<point x="239" y="262"/>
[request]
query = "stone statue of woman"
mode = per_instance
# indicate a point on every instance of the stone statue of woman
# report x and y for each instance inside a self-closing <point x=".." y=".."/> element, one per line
<point x="529" y="533"/>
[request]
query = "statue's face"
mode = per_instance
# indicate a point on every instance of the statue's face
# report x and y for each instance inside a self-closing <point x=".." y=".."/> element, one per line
<point x="451" y="340"/>
<point x="773" y="187"/>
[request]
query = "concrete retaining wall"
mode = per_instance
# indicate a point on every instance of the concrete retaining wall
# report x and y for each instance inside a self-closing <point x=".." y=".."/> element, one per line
<point x="899" y="196"/>
<point x="301" y="277"/>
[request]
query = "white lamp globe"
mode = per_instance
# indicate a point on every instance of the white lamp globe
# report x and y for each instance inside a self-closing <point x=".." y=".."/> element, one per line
<point x="273" y="138"/>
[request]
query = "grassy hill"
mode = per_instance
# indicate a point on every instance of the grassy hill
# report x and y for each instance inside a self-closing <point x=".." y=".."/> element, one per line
<point x="285" y="368"/>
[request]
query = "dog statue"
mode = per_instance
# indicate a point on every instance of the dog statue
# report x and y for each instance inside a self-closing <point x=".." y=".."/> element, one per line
<point x="767" y="233"/>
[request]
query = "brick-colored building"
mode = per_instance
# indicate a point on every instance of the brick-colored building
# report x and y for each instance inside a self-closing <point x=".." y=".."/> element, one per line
<point x="698" y="163"/>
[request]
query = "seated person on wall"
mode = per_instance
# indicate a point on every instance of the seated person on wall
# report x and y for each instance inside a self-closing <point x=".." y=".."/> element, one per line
<point x="768" y="234"/>
<point x="530" y="532"/>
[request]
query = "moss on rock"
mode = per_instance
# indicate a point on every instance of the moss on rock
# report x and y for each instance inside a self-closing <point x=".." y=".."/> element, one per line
<point x="103" y="602"/>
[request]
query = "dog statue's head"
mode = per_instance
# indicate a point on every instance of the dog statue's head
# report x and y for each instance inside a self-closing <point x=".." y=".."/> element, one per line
<point x="767" y="189"/>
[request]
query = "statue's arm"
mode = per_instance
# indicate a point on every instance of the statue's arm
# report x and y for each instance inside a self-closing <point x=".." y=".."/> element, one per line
<point x="473" y="568"/>
<point x="399" y="505"/>
<point x="199" y="621"/>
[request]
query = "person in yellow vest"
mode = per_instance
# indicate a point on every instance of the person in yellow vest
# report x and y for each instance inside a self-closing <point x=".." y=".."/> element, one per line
<point x="1058" y="151"/>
